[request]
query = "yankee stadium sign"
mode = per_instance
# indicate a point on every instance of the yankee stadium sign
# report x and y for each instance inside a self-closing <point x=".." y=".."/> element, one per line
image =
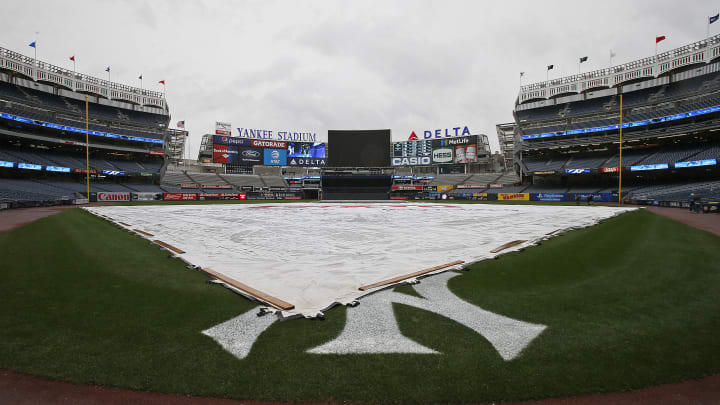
<point x="277" y="135"/>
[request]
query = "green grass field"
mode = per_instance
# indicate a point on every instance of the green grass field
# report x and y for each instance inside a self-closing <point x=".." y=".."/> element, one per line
<point x="629" y="303"/>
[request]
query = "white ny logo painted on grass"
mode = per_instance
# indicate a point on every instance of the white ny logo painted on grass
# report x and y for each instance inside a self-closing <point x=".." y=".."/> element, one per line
<point x="371" y="327"/>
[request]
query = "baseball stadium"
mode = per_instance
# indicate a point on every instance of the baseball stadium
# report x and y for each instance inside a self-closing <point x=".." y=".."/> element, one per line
<point x="579" y="264"/>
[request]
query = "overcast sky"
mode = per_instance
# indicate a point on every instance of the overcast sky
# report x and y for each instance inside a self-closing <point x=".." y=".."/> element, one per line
<point x="310" y="66"/>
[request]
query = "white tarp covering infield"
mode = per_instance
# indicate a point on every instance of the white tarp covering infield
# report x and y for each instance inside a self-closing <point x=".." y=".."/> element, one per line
<point x="316" y="255"/>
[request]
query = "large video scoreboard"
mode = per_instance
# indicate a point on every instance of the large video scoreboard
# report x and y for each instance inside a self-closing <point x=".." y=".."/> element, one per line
<point x="367" y="148"/>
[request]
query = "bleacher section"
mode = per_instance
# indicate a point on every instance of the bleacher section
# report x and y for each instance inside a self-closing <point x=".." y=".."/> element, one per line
<point x="39" y="105"/>
<point x="708" y="191"/>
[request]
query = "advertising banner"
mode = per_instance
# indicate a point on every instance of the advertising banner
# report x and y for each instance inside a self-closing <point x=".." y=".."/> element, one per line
<point x="156" y="152"/>
<point x="274" y="195"/>
<point x="223" y="128"/>
<point x="251" y="156"/>
<point x="407" y="188"/>
<point x="455" y="150"/>
<point x="59" y="169"/>
<point x="275" y="157"/>
<point x="216" y="186"/>
<point x="258" y="143"/>
<point x="513" y="196"/>
<point x="222" y="154"/>
<point x="613" y="169"/>
<point x="113" y="196"/>
<point x="658" y="166"/>
<point x="548" y="197"/>
<point x="227" y="140"/>
<point x="411" y="161"/>
<point x="179" y="196"/>
<point x="604" y="197"/>
<point x="187" y="185"/>
<point x="145" y="196"/>
<point x="696" y="163"/>
<point x="472" y="186"/>
<point x="222" y="196"/>
<point x="577" y="171"/>
<point x="92" y="171"/>
<point x="443" y="189"/>
<point x="398" y="197"/>
<point x="307" y="162"/>
<point x="29" y="166"/>
<point x="443" y="155"/>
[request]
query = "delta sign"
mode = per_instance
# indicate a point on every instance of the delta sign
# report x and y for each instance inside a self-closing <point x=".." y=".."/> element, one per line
<point x="441" y="133"/>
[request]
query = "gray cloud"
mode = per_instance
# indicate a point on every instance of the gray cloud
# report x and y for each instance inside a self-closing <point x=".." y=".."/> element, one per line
<point x="318" y="65"/>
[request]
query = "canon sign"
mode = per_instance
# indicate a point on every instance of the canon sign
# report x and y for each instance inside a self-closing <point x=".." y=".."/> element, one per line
<point x="113" y="196"/>
<point x="443" y="155"/>
<point x="410" y="161"/>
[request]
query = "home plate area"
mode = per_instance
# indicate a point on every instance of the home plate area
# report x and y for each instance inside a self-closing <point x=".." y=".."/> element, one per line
<point x="301" y="259"/>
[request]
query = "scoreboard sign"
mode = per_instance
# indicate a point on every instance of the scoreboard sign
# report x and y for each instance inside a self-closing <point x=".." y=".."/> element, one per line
<point x="411" y="153"/>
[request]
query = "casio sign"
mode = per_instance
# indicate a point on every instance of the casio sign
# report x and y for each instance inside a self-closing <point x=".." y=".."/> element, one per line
<point x="444" y="155"/>
<point x="410" y="161"/>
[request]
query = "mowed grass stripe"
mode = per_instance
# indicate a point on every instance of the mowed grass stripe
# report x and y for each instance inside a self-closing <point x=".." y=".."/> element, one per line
<point x="628" y="303"/>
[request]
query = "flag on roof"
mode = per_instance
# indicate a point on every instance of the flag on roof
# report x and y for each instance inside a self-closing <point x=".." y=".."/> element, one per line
<point x="140" y="77"/>
<point x="660" y="38"/>
<point x="612" y="54"/>
<point x="714" y="18"/>
<point x="583" y="59"/>
<point x="522" y="74"/>
<point x="162" y="82"/>
<point x="550" y="67"/>
<point x="181" y="124"/>
<point x="108" y="69"/>
<point x="72" y="58"/>
<point x="32" y="44"/>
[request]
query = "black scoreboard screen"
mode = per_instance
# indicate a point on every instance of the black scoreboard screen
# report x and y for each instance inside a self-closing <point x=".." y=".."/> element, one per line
<point x="370" y="148"/>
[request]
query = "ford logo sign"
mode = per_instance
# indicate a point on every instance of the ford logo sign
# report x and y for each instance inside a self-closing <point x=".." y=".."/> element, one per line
<point x="251" y="153"/>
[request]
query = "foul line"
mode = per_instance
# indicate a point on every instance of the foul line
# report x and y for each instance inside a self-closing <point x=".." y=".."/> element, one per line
<point x="276" y="302"/>
<point x="407" y="276"/>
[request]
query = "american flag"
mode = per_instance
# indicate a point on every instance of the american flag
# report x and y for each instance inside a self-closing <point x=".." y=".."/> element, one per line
<point x="180" y="124"/>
